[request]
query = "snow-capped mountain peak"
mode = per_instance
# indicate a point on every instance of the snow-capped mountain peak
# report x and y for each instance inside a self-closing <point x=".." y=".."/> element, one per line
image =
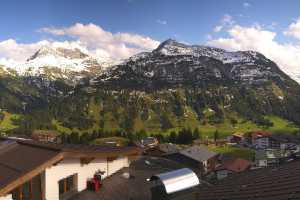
<point x="42" y="52"/>
<point x="171" y="47"/>
<point x="62" y="63"/>
<point x="175" y="62"/>
<point x="58" y="52"/>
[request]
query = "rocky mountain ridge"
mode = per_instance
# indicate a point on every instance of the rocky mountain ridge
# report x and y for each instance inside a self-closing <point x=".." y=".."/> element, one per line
<point x="177" y="63"/>
<point x="50" y="63"/>
<point x="174" y="86"/>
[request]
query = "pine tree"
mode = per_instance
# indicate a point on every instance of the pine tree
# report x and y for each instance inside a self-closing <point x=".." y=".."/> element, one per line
<point x="216" y="135"/>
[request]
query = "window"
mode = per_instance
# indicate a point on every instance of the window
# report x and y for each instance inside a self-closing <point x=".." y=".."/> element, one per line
<point x="30" y="190"/>
<point x="26" y="190"/>
<point x="36" y="188"/>
<point x="68" y="184"/>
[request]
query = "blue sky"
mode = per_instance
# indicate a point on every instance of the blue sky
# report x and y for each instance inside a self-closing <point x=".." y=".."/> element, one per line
<point x="117" y="29"/>
<point x="189" y="20"/>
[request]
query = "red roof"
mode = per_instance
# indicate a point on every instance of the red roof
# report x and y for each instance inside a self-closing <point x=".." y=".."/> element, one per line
<point x="257" y="134"/>
<point x="237" y="165"/>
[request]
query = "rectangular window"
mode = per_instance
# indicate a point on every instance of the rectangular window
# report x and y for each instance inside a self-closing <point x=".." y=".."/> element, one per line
<point x="36" y="190"/>
<point x="26" y="191"/>
<point x="30" y="190"/>
<point x="68" y="184"/>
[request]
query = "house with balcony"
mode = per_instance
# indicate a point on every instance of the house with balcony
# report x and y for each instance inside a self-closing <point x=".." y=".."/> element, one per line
<point x="32" y="170"/>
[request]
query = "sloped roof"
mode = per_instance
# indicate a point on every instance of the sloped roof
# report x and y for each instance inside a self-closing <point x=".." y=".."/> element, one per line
<point x="24" y="159"/>
<point x="258" y="134"/>
<point x="177" y="180"/>
<point x="16" y="160"/>
<point x="236" y="165"/>
<point x="238" y="134"/>
<point x="78" y="150"/>
<point x="199" y="153"/>
<point x="279" y="183"/>
<point x="168" y="148"/>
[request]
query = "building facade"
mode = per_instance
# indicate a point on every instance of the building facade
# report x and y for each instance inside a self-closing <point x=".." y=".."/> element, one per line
<point x="55" y="172"/>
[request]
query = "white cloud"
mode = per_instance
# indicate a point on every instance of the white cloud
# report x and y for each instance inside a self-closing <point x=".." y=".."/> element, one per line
<point x="218" y="28"/>
<point x="227" y="19"/>
<point x="162" y="22"/>
<point x="246" y="5"/>
<point x="95" y="38"/>
<point x="12" y="51"/>
<point x="89" y="38"/>
<point x="294" y="29"/>
<point x="287" y="56"/>
<point x="225" y="22"/>
<point x="209" y="37"/>
<point x="273" y="25"/>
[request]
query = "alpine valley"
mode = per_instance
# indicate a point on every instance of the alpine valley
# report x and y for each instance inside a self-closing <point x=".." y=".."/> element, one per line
<point x="174" y="86"/>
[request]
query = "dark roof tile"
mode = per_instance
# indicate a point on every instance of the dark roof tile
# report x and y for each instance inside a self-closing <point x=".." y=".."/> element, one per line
<point x="280" y="183"/>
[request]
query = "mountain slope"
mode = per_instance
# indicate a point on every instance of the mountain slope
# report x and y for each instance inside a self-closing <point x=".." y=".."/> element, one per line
<point x="69" y="65"/>
<point x="176" y="63"/>
<point x="174" y="86"/>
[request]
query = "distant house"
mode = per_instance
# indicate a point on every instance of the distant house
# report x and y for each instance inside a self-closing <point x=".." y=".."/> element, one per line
<point x="277" y="141"/>
<point x="232" y="166"/>
<point x="32" y="170"/>
<point x="45" y="135"/>
<point x="198" y="158"/>
<point x="162" y="149"/>
<point x="236" y="138"/>
<point x="260" y="139"/>
<point x="168" y="148"/>
<point x="266" y="142"/>
<point x="149" y="142"/>
<point x="270" y="157"/>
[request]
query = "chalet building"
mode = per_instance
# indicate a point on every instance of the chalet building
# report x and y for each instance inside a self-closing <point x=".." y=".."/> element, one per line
<point x="277" y="141"/>
<point x="168" y="148"/>
<point x="149" y="142"/>
<point x="260" y="139"/>
<point x="162" y="149"/>
<point x="266" y="142"/>
<point x="198" y="158"/>
<point x="236" y="138"/>
<point x="31" y="170"/>
<point x="232" y="166"/>
<point x="270" y="157"/>
<point x="45" y="136"/>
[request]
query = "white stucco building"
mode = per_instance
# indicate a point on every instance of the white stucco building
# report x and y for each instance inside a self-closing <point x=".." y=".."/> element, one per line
<point x="37" y="171"/>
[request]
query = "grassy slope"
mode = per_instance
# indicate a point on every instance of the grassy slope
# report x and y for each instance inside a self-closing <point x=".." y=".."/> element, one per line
<point x="234" y="152"/>
<point x="151" y="125"/>
<point x="281" y="125"/>
<point x="7" y="123"/>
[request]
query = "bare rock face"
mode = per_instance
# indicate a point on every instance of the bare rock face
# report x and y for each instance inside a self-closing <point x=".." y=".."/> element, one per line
<point x="72" y="53"/>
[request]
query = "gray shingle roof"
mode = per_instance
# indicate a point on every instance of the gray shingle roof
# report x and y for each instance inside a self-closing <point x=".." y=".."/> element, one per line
<point x="199" y="153"/>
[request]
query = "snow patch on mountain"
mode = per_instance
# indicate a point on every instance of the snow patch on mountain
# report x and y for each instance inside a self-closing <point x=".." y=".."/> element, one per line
<point x="59" y="63"/>
<point x="173" y="48"/>
<point x="174" y="62"/>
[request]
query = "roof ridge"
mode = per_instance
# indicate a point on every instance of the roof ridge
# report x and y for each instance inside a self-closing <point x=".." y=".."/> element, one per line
<point x="47" y="146"/>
